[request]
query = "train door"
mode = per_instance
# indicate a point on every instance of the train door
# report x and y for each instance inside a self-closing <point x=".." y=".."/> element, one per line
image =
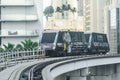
<point x="67" y="41"/>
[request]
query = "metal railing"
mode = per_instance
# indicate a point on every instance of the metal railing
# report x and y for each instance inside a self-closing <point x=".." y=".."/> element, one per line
<point x="9" y="58"/>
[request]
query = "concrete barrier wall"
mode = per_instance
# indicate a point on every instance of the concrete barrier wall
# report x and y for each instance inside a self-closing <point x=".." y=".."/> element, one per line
<point x="54" y="71"/>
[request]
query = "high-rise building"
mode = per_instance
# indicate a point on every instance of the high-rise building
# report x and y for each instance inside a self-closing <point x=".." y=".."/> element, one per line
<point x="112" y="24"/>
<point x="20" y="20"/>
<point x="80" y="7"/>
<point x="94" y="16"/>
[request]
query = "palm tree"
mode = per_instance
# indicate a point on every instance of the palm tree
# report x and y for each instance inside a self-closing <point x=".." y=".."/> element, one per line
<point x="1" y="49"/>
<point x="58" y="10"/>
<point x="28" y="44"/>
<point x="73" y="11"/>
<point x="9" y="47"/>
<point x="48" y="12"/>
<point x="19" y="47"/>
<point x="69" y="6"/>
<point x="35" y="45"/>
<point x="65" y="8"/>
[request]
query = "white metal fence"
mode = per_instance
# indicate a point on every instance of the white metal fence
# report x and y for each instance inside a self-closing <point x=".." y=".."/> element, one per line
<point x="9" y="58"/>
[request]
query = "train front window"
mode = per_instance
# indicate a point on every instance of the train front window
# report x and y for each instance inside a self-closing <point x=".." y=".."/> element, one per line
<point x="48" y="37"/>
<point x="100" y="38"/>
<point x="76" y="36"/>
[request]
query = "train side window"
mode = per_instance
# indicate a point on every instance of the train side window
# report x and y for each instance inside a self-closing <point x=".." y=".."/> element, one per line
<point x="100" y="38"/>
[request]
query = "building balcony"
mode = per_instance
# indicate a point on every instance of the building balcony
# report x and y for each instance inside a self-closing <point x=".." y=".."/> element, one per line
<point x="19" y="33"/>
<point x="13" y="18"/>
<point x="17" y="3"/>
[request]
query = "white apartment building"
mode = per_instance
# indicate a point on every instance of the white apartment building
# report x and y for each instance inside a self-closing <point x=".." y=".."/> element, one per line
<point x="20" y="20"/>
<point x="94" y="15"/>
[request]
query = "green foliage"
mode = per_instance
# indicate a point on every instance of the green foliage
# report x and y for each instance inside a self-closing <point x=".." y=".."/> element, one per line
<point x="19" y="47"/>
<point x="35" y="44"/>
<point x="28" y="44"/>
<point x="73" y="10"/>
<point x="1" y="49"/>
<point x="9" y="47"/>
<point x="69" y="6"/>
<point x="65" y="8"/>
<point x="48" y="12"/>
<point x="58" y="9"/>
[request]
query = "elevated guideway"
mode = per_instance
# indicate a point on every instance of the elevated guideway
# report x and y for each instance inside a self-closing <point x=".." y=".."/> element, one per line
<point x="86" y="67"/>
<point x="14" y="72"/>
<point x="105" y="67"/>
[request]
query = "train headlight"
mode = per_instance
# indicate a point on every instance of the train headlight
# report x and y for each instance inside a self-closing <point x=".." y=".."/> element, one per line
<point x="59" y="44"/>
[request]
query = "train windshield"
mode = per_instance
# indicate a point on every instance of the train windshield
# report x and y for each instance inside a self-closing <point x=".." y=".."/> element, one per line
<point x="48" y="37"/>
<point x="77" y="37"/>
<point x="100" y="38"/>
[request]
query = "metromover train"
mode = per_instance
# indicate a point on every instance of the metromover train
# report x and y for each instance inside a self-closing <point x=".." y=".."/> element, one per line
<point x="64" y="43"/>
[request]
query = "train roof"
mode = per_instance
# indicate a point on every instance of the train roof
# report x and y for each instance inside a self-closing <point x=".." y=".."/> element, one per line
<point x="50" y="31"/>
<point x="93" y="33"/>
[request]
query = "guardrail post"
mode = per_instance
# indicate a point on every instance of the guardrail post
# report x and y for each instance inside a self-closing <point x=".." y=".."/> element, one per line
<point x="15" y="57"/>
<point x="27" y="55"/>
<point x="17" y="53"/>
<point x="33" y="54"/>
<point x="5" y="59"/>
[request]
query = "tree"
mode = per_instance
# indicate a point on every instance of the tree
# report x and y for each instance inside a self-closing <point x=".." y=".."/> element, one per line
<point x="9" y="47"/>
<point x="1" y="49"/>
<point x="73" y="11"/>
<point x="66" y="8"/>
<point x="69" y="6"/>
<point x="48" y="12"/>
<point x="28" y="44"/>
<point x="19" y="46"/>
<point x="58" y="9"/>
